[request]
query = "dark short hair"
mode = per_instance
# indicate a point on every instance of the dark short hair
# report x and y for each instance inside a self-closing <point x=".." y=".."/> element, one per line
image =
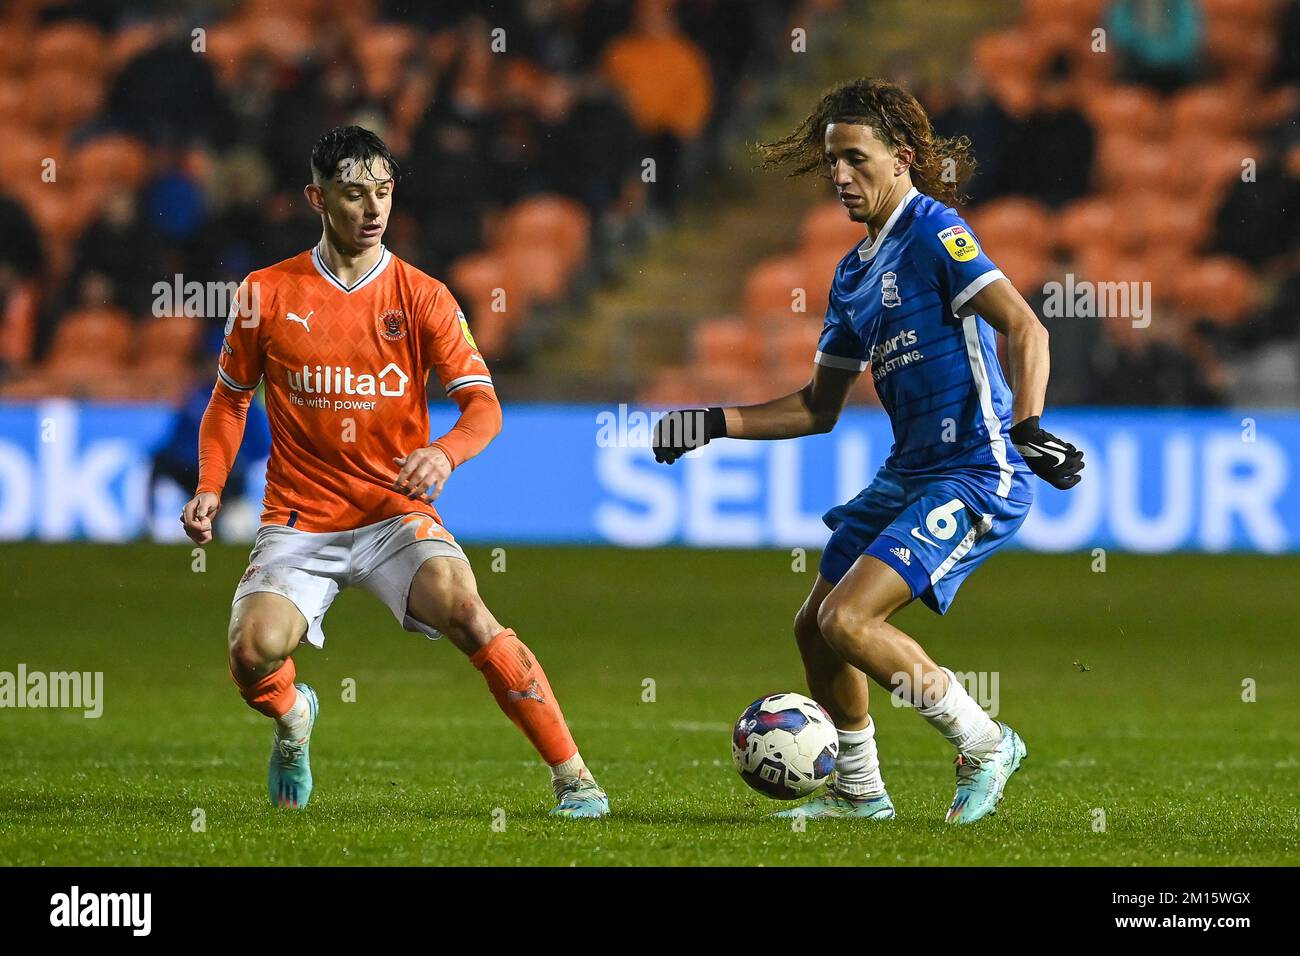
<point x="344" y="142"/>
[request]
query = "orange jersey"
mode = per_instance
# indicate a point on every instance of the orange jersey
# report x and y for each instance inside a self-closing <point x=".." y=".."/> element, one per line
<point x="345" y="372"/>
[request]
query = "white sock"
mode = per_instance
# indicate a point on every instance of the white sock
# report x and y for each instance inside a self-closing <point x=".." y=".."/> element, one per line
<point x="297" y="721"/>
<point x="961" y="720"/>
<point x="857" y="768"/>
<point x="571" y="769"/>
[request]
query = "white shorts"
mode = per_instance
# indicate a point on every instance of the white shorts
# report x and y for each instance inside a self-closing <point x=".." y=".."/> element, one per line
<point x="310" y="567"/>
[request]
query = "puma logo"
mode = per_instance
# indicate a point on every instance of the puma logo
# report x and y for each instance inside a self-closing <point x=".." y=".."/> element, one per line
<point x="294" y="318"/>
<point x="534" y="692"/>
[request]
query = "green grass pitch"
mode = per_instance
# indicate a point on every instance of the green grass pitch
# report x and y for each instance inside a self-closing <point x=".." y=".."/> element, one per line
<point x="1154" y="734"/>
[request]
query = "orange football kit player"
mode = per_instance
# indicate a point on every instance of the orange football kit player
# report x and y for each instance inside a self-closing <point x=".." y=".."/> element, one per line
<point x="344" y="336"/>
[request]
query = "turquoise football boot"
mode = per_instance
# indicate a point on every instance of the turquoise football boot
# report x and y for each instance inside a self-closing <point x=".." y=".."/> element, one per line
<point x="288" y="780"/>
<point x="580" y="798"/>
<point x="832" y="805"/>
<point x="981" y="778"/>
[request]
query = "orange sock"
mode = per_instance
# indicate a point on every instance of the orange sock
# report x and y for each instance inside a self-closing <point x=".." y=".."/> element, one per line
<point x="523" y="692"/>
<point x="273" y="695"/>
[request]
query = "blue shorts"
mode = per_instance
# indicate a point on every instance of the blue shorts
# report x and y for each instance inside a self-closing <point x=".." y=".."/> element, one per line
<point x="933" y="531"/>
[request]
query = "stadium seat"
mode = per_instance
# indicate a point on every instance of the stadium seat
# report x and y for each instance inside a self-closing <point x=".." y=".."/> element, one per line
<point x="1123" y="110"/>
<point x="727" y="341"/>
<point x="1206" y="108"/>
<point x="547" y="221"/>
<point x="1074" y="13"/>
<point x="1011" y="222"/>
<point x="1129" y="163"/>
<point x="381" y="52"/>
<point x="90" y="345"/>
<point x="541" y="273"/>
<point x="70" y="44"/>
<point x="770" y="288"/>
<point x="1219" y="288"/>
<point x="1238" y="49"/>
<point x="15" y="50"/>
<point x="1025" y="267"/>
<point x="828" y="225"/>
<point x="168" y="342"/>
<point x="62" y="97"/>
<point x="128" y="42"/>
<point x="228" y="44"/>
<point x="1253" y="12"/>
<point x="1218" y="161"/>
<point x="280" y="35"/>
<point x="113" y="160"/>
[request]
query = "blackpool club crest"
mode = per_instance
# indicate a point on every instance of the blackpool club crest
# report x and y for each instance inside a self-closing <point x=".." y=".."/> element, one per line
<point x="392" y="324"/>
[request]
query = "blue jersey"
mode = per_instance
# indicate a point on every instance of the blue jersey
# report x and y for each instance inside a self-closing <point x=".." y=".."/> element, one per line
<point x="900" y="305"/>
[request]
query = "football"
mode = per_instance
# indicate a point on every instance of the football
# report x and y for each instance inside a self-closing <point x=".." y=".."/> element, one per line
<point x="784" y="745"/>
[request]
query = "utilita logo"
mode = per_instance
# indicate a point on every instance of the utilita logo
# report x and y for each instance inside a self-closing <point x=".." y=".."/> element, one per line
<point x="332" y="380"/>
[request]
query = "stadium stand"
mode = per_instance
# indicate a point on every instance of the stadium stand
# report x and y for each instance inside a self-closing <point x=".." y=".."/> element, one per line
<point x="1105" y="168"/>
<point x="138" y="149"/>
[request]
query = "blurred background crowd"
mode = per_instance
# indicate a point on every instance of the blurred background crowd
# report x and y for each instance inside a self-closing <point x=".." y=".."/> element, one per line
<point x="559" y="155"/>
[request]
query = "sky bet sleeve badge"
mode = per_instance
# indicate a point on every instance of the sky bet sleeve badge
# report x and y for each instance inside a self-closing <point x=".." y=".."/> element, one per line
<point x="961" y="245"/>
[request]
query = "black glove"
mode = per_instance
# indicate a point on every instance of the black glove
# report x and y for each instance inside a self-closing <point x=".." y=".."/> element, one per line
<point x="1056" y="462"/>
<point x="679" y="432"/>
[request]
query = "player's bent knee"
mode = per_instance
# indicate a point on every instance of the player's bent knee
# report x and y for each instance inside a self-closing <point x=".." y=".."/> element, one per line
<point x="257" y="646"/>
<point x="845" y="628"/>
<point x="806" y="631"/>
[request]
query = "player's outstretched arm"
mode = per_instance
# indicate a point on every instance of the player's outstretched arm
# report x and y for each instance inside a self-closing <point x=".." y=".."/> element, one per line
<point x="1055" y="461"/>
<point x="812" y="410"/>
<point x="221" y="432"/>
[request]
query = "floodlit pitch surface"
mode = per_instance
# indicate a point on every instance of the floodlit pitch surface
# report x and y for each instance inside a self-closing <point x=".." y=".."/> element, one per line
<point x="1150" y="755"/>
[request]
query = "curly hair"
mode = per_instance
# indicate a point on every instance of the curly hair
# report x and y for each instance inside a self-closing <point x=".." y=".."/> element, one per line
<point x="940" y="165"/>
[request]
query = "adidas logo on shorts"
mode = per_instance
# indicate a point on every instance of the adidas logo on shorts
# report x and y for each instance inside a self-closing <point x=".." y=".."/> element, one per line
<point x="903" y="554"/>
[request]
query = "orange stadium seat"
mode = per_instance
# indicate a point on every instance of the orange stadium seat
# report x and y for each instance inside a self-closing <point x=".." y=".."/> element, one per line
<point x="791" y="341"/>
<point x="168" y="342"/>
<point x="1219" y="288"/>
<point x="62" y="97"/>
<point x="89" y="345"/>
<point x="1085" y="221"/>
<point x="113" y="160"/>
<point x="129" y="42"/>
<point x="1202" y="166"/>
<point x="727" y="340"/>
<point x="1026" y="268"/>
<point x="23" y="155"/>
<point x="770" y="288"/>
<point x="381" y="53"/>
<point x="1132" y="163"/>
<point x="547" y="221"/>
<point x="15" y="49"/>
<point x="1012" y="222"/>
<point x="828" y="225"/>
<point x="541" y="273"/>
<point x="1254" y="12"/>
<point x="72" y="44"/>
<point x="1123" y="110"/>
<point x="1201" y="108"/>
<point x="280" y="35"/>
<point x="1078" y="14"/>
<point x="1173" y="222"/>
<point x="1239" y="49"/>
<point x="228" y="44"/>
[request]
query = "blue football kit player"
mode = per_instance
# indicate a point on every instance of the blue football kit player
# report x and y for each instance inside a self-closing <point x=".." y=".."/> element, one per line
<point x="919" y="303"/>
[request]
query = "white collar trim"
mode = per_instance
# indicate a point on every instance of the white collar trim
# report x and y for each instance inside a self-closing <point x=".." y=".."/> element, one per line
<point x="868" y="249"/>
<point x="319" y="262"/>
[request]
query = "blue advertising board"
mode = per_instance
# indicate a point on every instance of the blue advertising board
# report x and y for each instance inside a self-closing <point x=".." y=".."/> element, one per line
<point x="1157" y="480"/>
